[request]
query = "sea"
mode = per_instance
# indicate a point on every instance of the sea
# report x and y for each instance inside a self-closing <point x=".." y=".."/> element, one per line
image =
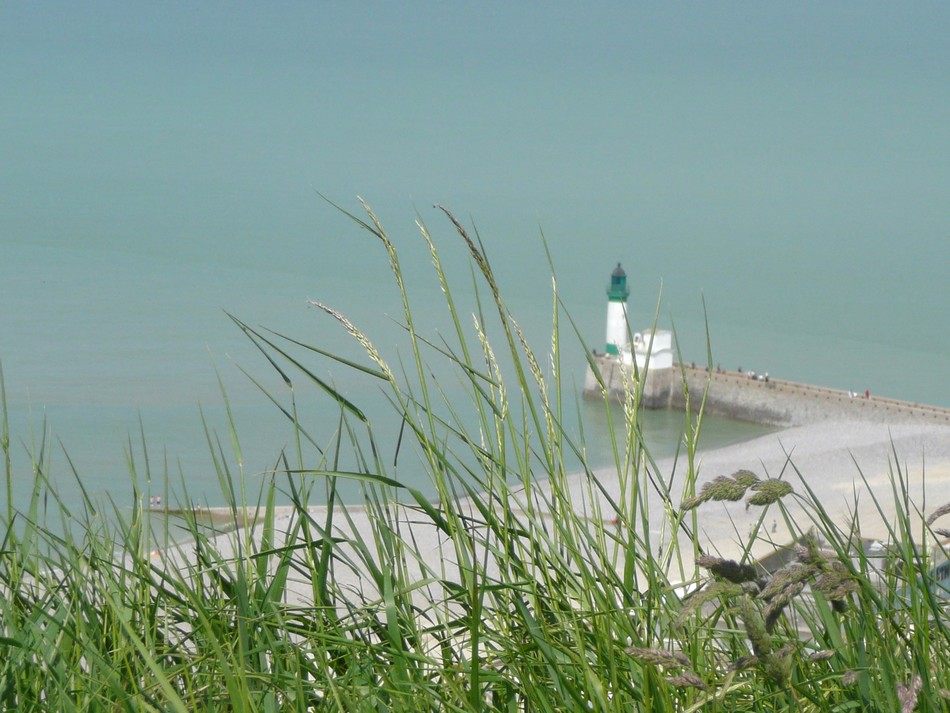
<point x="773" y="177"/>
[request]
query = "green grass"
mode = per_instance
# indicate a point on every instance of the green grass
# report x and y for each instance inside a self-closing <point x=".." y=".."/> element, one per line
<point x="548" y="593"/>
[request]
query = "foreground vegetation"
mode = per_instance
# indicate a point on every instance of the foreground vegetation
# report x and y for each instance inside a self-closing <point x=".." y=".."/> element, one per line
<point x="544" y="600"/>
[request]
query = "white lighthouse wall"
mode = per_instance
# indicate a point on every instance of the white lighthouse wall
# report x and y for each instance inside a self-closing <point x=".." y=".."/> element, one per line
<point x="617" y="330"/>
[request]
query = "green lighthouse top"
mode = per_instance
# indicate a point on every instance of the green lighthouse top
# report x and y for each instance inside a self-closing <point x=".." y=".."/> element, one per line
<point x="618" y="292"/>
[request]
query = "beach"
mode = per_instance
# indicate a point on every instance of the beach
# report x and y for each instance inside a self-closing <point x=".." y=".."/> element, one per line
<point x="849" y="467"/>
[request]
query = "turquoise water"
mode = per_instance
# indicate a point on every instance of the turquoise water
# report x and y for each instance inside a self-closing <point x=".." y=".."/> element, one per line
<point x="785" y="165"/>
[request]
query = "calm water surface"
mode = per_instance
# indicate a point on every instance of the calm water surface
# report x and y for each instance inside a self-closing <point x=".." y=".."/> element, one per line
<point x="784" y="166"/>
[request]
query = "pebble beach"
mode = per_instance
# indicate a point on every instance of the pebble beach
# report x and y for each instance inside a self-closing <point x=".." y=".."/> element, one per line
<point x="849" y="466"/>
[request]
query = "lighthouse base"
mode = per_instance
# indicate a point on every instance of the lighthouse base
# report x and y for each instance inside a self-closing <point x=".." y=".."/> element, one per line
<point x="619" y="380"/>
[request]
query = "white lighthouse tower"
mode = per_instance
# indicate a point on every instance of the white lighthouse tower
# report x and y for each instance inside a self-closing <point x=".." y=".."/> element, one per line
<point x="618" y="331"/>
<point x="644" y="358"/>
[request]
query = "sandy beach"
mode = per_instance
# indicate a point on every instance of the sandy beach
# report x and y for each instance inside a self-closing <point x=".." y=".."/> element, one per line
<point x="847" y="464"/>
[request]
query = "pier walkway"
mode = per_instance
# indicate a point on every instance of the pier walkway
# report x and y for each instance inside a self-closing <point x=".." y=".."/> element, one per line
<point x="740" y="395"/>
<point x="787" y="403"/>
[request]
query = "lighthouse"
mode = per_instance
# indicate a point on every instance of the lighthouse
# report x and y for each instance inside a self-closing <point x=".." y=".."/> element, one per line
<point x="617" y="330"/>
<point x="641" y="362"/>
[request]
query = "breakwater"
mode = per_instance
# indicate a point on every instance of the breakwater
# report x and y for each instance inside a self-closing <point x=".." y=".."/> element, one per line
<point x="775" y="402"/>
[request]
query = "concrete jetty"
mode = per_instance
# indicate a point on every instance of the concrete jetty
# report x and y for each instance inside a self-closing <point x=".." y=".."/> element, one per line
<point x="645" y="359"/>
<point x="787" y="403"/>
<point x="742" y="396"/>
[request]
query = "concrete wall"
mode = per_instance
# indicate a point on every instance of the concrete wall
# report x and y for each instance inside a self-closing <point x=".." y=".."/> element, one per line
<point x="787" y="403"/>
<point x="657" y="389"/>
<point x="773" y="402"/>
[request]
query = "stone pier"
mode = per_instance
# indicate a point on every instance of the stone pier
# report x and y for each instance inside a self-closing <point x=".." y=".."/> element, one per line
<point x="739" y="396"/>
<point x="619" y="379"/>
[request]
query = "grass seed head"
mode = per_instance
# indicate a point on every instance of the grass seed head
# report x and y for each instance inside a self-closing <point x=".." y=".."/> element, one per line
<point x="768" y="491"/>
<point x="745" y="477"/>
<point x="755" y="628"/>
<point x="907" y="694"/>
<point x="790" y="575"/>
<point x="778" y="666"/>
<point x="687" y="679"/>
<point x="659" y="657"/>
<point x="938" y="513"/>
<point x="743" y="664"/>
<point x="775" y="607"/>
<point x="720" y="590"/>
<point x="836" y="583"/>
<point x="728" y="569"/>
<point x="809" y="553"/>
<point x="725" y="488"/>
<point x="690" y="503"/>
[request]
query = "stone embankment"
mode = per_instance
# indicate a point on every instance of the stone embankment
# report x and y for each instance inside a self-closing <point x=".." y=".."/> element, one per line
<point x="619" y="380"/>
<point x="770" y="402"/>
<point x="787" y="403"/>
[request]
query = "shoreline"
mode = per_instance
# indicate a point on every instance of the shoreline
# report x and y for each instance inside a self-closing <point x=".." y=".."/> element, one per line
<point x="846" y="464"/>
